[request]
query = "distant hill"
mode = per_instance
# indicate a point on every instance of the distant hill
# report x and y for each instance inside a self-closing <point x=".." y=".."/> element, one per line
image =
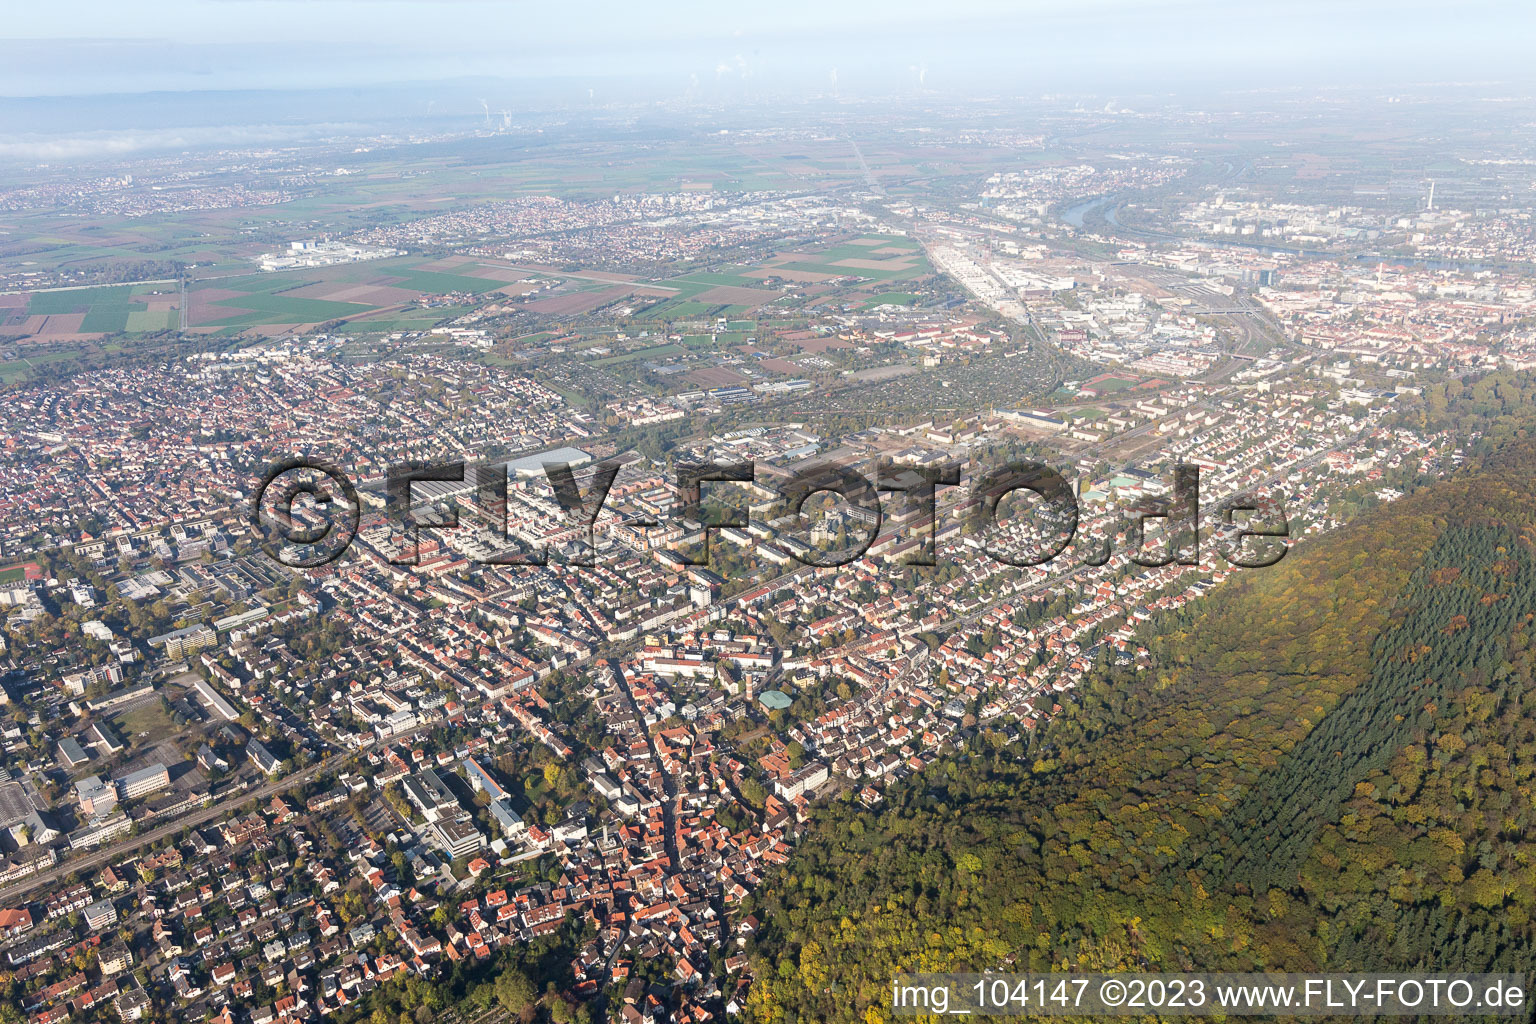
<point x="1331" y="767"/>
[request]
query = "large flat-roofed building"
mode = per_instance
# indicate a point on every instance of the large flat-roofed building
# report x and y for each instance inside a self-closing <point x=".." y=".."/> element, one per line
<point x="432" y="798"/>
<point x="533" y="465"/>
<point x="183" y="642"/>
<point x="100" y="830"/>
<point x="457" y="838"/>
<point x="807" y="780"/>
<point x="395" y="723"/>
<point x="120" y="697"/>
<point x="107" y="738"/>
<point x="99" y="914"/>
<point x="14" y="805"/>
<point x="508" y="820"/>
<point x="72" y="753"/>
<point x="215" y="701"/>
<point x="309" y="253"/>
<point x="95" y="797"/>
<point x="143" y="782"/>
<point x="1036" y="418"/>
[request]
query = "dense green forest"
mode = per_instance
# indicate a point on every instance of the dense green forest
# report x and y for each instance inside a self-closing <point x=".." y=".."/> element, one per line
<point x="1330" y="767"/>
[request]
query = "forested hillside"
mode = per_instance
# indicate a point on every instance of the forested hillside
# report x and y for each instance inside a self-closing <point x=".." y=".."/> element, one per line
<point x="1330" y="767"/>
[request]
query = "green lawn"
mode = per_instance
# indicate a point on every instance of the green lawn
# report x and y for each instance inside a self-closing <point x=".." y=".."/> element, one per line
<point x="644" y="353"/>
<point x="21" y="368"/>
<point x="890" y="299"/>
<point x="677" y="308"/>
<point x="150" y="718"/>
<point x="1110" y="385"/>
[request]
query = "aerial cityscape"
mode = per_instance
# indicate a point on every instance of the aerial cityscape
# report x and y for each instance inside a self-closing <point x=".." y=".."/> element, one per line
<point x="740" y="547"/>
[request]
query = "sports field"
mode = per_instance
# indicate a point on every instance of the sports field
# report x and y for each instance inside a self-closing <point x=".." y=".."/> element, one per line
<point x="890" y="299"/>
<point x="17" y="573"/>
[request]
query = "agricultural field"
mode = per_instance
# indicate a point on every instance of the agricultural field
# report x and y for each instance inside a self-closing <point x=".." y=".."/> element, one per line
<point x="876" y="259"/>
<point x="688" y="296"/>
<point x="710" y="294"/>
<point x="66" y="314"/>
<point x="853" y="266"/>
<point x="376" y="295"/>
<point x="218" y="222"/>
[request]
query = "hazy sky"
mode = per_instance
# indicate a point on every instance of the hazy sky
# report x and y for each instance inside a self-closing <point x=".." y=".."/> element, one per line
<point x="65" y="47"/>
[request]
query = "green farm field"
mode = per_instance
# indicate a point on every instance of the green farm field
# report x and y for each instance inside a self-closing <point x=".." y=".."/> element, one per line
<point x="101" y="309"/>
<point x="352" y="291"/>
